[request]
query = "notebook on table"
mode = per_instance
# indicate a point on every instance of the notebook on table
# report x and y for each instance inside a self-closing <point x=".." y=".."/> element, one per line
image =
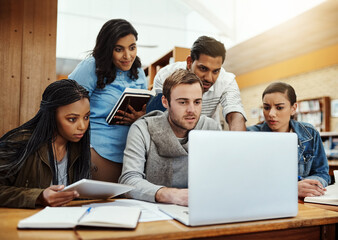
<point x="71" y="217"/>
<point x="330" y="196"/>
<point x="239" y="176"/>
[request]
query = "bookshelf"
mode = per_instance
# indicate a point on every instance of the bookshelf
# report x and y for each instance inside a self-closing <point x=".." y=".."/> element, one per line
<point x="315" y="111"/>
<point x="330" y="142"/>
<point x="177" y="54"/>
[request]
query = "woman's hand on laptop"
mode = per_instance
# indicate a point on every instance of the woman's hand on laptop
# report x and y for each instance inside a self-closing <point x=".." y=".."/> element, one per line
<point x="310" y="188"/>
<point x="172" y="195"/>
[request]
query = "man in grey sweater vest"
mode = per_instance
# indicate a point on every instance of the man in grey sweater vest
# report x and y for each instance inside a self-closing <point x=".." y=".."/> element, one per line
<point x="156" y="155"/>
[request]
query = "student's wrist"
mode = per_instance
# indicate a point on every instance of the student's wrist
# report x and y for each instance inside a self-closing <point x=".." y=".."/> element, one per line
<point x="40" y="201"/>
<point x="160" y="195"/>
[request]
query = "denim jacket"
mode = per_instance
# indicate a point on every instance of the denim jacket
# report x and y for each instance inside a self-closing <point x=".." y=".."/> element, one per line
<point x="312" y="161"/>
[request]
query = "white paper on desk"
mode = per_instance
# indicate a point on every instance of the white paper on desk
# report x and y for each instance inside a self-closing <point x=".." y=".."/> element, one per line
<point x="149" y="211"/>
<point x="330" y="197"/>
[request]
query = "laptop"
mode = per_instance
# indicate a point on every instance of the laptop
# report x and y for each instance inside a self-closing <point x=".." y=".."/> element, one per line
<point x="239" y="176"/>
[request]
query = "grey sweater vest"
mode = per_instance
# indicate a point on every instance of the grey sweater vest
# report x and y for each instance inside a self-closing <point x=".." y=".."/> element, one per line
<point x="167" y="160"/>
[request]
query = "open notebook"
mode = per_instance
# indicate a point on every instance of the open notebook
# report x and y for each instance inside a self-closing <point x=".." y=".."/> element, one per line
<point x="239" y="176"/>
<point x="331" y="194"/>
<point x="70" y="217"/>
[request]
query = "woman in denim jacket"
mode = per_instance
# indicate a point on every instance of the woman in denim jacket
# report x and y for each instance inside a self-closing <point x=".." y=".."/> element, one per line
<point x="279" y="107"/>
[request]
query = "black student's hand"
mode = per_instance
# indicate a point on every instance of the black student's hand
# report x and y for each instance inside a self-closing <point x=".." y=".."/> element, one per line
<point x="52" y="196"/>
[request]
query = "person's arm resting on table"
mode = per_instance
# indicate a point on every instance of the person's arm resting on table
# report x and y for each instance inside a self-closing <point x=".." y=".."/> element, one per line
<point x="134" y="161"/>
<point x="23" y="197"/>
<point x="319" y="178"/>
<point x="172" y="195"/>
<point x="310" y="188"/>
<point x="133" y="172"/>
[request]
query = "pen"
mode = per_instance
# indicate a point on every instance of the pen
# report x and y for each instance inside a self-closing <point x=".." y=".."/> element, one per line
<point x="300" y="178"/>
<point x="84" y="214"/>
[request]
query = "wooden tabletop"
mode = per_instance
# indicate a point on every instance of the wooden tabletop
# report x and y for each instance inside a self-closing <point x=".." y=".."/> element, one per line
<point x="308" y="216"/>
<point x="318" y="205"/>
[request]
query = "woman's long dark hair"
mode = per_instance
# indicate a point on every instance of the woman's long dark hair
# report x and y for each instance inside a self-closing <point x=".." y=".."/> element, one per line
<point x="106" y="40"/>
<point x="15" y="148"/>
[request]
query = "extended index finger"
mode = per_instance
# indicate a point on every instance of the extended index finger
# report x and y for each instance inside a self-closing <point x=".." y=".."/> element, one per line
<point x="131" y="109"/>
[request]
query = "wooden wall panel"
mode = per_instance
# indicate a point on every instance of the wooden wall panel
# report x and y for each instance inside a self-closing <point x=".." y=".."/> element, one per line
<point x="38" y="54"/>
<point x="10" y="63"/>
<point x="27" y="57"/>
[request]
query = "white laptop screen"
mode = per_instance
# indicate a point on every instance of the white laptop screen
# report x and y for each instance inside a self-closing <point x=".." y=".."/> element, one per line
<point x="241" y="176"/>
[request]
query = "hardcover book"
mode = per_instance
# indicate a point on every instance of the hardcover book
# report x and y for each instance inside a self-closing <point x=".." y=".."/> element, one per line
<point x="133" y="97"/>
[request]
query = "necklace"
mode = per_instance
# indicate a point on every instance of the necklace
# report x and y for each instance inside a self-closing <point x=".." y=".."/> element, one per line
<point x="60" y="164"/>
<point x="59" y="153"/>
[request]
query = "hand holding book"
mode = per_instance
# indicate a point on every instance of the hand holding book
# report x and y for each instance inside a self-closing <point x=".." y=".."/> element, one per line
<point x="128" y="117"/>
<point x="130" y="106"/>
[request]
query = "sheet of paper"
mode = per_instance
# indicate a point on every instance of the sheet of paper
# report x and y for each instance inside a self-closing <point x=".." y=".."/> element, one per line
<point x="330" y="194"/>
<point x="149" y="211"/>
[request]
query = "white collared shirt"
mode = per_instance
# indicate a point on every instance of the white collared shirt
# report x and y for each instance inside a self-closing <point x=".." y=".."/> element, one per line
<point x="225" y="91"/>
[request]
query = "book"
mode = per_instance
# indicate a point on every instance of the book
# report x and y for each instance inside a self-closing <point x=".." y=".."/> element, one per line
<point x="130" y="96"/>
<point x="330" y="197"/>
<point x="95" y="189"/>
<point x="71" y="217"/>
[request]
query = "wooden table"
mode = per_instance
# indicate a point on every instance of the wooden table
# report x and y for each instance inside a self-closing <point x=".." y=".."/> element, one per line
<point x="310" y="223"/>
<point x="318" y="205"/>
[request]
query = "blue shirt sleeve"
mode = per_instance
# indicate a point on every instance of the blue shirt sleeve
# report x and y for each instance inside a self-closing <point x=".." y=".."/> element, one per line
<point x="142" y="75"/>
<point x="85" y="75"/>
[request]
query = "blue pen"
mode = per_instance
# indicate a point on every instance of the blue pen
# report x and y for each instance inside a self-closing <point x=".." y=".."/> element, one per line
<point x="85" y="213"/>
<point x="300" y="178"/>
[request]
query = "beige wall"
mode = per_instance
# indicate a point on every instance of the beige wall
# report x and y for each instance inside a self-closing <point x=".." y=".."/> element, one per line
<point x="323" y="82"/>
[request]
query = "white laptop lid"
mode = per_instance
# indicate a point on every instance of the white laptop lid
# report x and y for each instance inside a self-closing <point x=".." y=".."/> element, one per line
<point x="241" y="176"/>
